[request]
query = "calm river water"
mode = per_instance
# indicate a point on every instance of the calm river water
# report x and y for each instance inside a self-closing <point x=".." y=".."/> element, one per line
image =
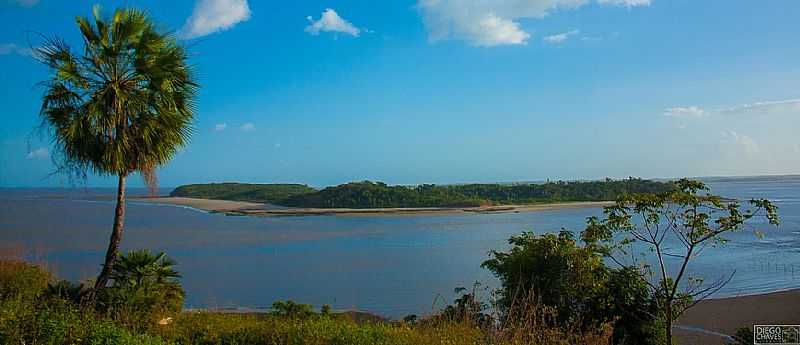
<point x="390" y="265"/>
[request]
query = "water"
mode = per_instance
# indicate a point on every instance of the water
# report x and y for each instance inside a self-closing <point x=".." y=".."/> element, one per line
<point x="390" y="265"/>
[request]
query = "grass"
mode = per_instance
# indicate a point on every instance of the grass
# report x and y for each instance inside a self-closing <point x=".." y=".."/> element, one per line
<point x="218" y="328"/>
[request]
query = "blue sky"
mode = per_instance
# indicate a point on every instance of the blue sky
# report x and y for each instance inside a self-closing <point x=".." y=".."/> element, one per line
<point x="441" y="91"/>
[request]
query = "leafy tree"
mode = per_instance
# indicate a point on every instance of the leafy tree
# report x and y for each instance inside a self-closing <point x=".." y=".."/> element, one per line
<point x="553" y="268"/>
<point x="676" y="226"/>
<point x="573" y="281"/>
<point x="123" y="105"/>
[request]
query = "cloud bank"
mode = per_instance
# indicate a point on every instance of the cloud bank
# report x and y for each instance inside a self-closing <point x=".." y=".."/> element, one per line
<point x="330" y="21"/>
<point x="210" y="16"/>
<point x="494" y="23"/>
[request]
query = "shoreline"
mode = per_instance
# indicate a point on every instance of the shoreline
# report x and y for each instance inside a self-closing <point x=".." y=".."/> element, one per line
<point x="244" y="208"/>
<point x="725" y="315"/>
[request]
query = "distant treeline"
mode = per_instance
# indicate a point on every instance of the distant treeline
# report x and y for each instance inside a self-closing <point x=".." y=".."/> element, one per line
<point x="369" y="194"/>
<point x="266" y="193"/>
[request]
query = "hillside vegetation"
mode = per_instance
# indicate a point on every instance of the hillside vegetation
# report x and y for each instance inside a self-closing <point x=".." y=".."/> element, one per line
<point x="266" y="193"/>
<point x="369" y="194"/>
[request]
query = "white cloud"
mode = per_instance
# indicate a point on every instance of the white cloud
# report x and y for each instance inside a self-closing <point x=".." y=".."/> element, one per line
<point x="558" y="38"/>
<point x="740" y="144"/>
<point x="692" y="111"/>
<point x="11" y="48"/>
<point x="330" y="21"/>
<point x="627" y="3"/>
<point x="25" y="3"/>
<point x="493" y="23"/>
<point x="210" y="16"/>
<point x="248" y="127"/>
<point x="764" y="107"/>
<point x="220" y="127"/>
<point x="39" y="153"/>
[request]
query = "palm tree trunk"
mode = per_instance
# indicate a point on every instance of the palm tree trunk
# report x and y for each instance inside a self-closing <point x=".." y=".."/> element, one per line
<point x="116" y="236"/>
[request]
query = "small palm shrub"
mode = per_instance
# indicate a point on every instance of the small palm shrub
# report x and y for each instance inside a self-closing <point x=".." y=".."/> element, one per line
<point x="145" y="290"/>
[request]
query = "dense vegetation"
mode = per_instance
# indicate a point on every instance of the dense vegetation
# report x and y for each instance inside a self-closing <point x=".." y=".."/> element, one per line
<point x="376" y="194"/>
<point x="368" y="194"/>
<point x="266" y="193"/>
<point x="34" y="309"/>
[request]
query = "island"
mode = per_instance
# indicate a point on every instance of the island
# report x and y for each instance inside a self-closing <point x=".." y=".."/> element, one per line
<point x="367" y="197"/>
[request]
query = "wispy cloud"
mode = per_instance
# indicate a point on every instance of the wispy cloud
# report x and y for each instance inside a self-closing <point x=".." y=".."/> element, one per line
<point x="494" y="23"/>
<point x="330" y="21"/>
<point x="220" y="127"/>
<point x="24" y="3"/>
<point x="210" y="16"/>
<point x="559" y="38"/>
<point x="764" y="107"/>
<point x="248" y="127"/>
<point x="11" y="48"/>
<point x="39" y="153"/>
<point x="692" y="111"/>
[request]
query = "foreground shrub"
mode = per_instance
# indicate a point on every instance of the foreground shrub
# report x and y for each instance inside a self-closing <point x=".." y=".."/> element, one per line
<point x="144" y="290"/>
<point x="579" y="293"/>
<point x="30" y="314"/>
<point x="22" y="280"/>
<point x="291" y="309"/>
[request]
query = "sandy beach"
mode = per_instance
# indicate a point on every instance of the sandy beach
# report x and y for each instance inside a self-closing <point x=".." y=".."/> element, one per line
<point x="202" y="204"/>
<point x="726" y="315"/>
<point x="257" y="209"/>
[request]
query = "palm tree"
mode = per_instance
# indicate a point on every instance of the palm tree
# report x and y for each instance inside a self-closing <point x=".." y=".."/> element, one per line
<point x="123" y="106"/>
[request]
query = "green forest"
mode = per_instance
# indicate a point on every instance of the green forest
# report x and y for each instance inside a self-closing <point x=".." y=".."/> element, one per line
<point x="266" y="193"/>
<point x="368" y="194"/>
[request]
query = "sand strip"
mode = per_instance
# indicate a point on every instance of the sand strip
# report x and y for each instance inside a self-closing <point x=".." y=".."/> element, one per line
<point x="726" y="315"/>
<point x="256" y="209"/>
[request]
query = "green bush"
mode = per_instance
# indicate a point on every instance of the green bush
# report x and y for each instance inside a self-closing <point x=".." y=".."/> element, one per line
<point x="22" y="280"/>
<point x="574" y="281"/>
<point x="33" y="313"/>
<point x="291" y="309"/>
